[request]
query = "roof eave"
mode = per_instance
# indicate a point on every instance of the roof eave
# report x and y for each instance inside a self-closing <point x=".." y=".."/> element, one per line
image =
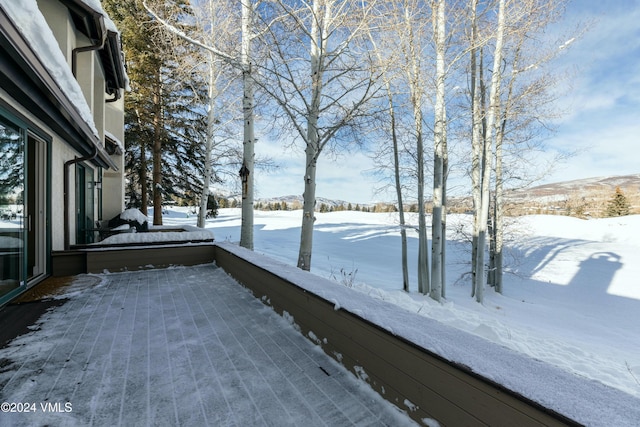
<point x="84" y="139"/>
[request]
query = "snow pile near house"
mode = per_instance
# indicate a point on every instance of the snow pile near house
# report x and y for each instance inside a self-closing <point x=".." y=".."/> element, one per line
<point x="156" y="235"/>
<point x="35" y="30"/>
<point x="134" y="215"/>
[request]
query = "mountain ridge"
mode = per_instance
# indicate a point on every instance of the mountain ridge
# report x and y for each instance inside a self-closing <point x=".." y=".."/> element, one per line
<point x="585" y="197"/>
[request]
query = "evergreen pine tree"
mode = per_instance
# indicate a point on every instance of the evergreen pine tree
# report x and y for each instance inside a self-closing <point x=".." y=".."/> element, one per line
<point x="11" y="162"/>
<point x="212" y="206"/>
<point x="618" y="205"/>
<point x="165" y="119"/>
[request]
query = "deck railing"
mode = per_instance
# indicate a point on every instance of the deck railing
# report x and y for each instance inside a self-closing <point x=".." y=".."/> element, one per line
<point x="423" y="384"/>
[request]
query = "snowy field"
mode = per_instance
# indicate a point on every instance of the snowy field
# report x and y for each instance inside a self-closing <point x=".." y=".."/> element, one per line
<point x="571" y="297"/>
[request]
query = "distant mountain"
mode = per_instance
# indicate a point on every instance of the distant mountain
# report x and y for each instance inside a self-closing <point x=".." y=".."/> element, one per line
<point x="626" y="183"/>
<point x="297" y="201"/>
<point x="581" y="197"/>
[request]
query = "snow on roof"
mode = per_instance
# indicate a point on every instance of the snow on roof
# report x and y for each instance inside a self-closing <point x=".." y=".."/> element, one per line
<point x="34" y="29"/>
<point x="113" y="138"/>
<point x="95" y="5"/>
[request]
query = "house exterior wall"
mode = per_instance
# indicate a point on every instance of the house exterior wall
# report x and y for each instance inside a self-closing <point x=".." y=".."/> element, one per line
<point x="55" y="125"/>
<point x="108" y="117"/>
<point x="113" y="190"/>
<point x="61" y="153"/>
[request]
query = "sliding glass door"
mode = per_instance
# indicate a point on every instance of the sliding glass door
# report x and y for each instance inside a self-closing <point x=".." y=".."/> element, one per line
<point x="36" y="207"/>
<point x="12" y="203"/>
<point x="24" y="247"/>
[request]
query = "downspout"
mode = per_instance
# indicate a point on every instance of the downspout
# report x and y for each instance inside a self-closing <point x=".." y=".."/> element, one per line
<point x="67" y="164"/>
<point x="116" y="96"/>
<point x="77" y="50"/>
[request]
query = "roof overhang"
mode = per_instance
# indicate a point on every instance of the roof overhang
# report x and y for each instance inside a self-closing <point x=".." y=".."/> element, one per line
<point x="113" y="64"/>
<point x="86" y="20"/>
<point x="113" y="145"/>
<point x="91" y="23"/>
<point x="28" y="81"/>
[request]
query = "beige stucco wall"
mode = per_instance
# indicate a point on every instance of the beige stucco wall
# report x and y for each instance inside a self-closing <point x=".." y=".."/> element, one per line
<point x="108" y="117"/>
<point x="112" y="180"/>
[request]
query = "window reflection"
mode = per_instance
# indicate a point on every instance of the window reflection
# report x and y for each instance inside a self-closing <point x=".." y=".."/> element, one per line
<point x="11" y="206"/>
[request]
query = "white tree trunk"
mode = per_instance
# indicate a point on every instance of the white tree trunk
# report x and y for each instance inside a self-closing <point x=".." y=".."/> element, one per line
<point x="248" y="155"/>
<point x="416" y="93"/>
<point x="423" y="259"/>
<point x="437" y="241"/>
<point x="492" y="115"/>
<point x="396" y="167"/>
<point x="398" y="183"/>
<point x="445" y="168"/>
<point x="208" y="148"/>
<point x="498" y="234"/>
<point x="308" y="211"/>
<point x="312" y="140"/>
<point x="476" y="141"/>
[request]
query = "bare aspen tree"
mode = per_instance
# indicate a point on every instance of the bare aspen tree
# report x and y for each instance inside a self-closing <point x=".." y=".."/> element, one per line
<point x="320" y="20"/>
<point x="321" y="103"/>
<point x="425" y="76"/>
<point x="526" y="93"/>
<point x="208" y="145"/>
<point x="517" y="96"/>
<point x="386" y="64"/>
<point x="439" y="148"/>
<point x="409" y="21"/>
<point x="497" y="221"/>
<point x="475" y="130"/>
<point x="214" y="70"/>
<point x="247" y="173"/>
<point x="415" y="81"/>
<point x="482" y="216"/>
<point x="398" y="185"/>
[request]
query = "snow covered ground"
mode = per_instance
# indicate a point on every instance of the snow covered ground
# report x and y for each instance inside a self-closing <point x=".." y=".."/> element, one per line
<point x="571" y="298"/>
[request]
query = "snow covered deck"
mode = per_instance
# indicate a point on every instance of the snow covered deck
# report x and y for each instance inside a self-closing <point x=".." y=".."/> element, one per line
<point x="179" y="346"/>
<point x="189" y="346"/>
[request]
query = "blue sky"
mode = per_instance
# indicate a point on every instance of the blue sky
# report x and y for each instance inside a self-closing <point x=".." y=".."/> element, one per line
<point x="601" y="124"/>
<point x="603" y="121"/>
